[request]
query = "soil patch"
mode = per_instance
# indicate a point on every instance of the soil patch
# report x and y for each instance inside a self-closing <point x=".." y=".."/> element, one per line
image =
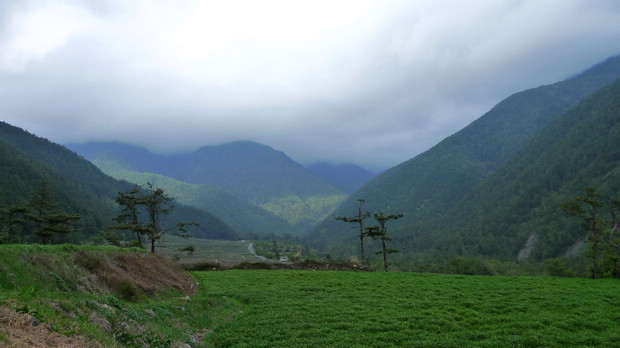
<point x="23" y="330"/>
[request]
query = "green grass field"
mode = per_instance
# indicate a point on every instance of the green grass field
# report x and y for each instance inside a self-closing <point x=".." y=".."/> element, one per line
<point x="348" y="309"/>
<point x="64" y="286"/>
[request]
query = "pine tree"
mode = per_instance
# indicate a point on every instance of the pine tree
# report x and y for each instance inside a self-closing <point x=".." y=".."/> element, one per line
<point x="47" y="214"/>
<point x="155" y="202"/>
<point x="128" y="217"/>
<point x="359" y="219"/>
<point x="13" y="218"/>
<point x="380" y="232"/>
<point x="588" y="209"/>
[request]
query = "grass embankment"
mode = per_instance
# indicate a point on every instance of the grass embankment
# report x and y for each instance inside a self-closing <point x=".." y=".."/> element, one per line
<point x="351" y="309"/>
<point x="98" y="296"/>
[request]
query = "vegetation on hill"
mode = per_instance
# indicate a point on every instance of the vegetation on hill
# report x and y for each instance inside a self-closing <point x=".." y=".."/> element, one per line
<point x="252" y="172"/>
<point x="77" y="186"/>
<point x="522" y="198"/>
<point x="468" y="196"/>
<point x="95" y="294"/>
<point x="247" y="220"/>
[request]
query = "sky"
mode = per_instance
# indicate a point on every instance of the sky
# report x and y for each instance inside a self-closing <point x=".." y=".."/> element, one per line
<point x="368" y="82"/>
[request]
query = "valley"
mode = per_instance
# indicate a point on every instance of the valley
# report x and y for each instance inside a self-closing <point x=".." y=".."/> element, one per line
<point x="480" y="195"/>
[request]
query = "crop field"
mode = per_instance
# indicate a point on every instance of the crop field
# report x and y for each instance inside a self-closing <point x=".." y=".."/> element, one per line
<point x="350" y="309"/>
<point x="206" y="250"/>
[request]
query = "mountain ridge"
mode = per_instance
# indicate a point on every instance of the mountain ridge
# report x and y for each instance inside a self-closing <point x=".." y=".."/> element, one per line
<point x="255" y="173"/>
<point x="427" y="186"/>
<point x="347" y="177"/>
<point x="77" y="184"/>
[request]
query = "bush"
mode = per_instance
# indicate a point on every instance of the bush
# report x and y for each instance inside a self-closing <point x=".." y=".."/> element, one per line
<point x="470" y="266"/>
<point x="203" y="266"/>
<point x="558" y="268"/>
<point x="89" y="260"/>
<point x="126" y="289"/>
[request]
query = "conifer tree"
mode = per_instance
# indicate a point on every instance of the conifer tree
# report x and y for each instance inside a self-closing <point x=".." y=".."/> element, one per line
<point x="587" y="208"/>
<point x="155" y="202"/>
<point x="47" y="214"/>
<point x="128" y="217"/>
<point x="380" y="232"/>
<point x="359" y="219"/>
<point x="13" y="218"/>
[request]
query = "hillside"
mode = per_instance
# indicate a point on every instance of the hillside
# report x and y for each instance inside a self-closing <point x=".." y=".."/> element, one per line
<point x="247" y="220"/>
<point x="68" y="296"/>
<point x="428" y="186"/>
<point x="581" y="148"/>
<point x="347" y="178"/>
<point x="255" y="173"/>
<point x="79" y="186"/>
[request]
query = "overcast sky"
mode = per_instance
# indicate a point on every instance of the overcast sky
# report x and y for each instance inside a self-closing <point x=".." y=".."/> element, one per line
<point x="369" y="82"/>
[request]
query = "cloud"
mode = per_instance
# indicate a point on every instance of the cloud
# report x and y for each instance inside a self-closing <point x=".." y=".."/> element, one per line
<point x="371" y="82"/>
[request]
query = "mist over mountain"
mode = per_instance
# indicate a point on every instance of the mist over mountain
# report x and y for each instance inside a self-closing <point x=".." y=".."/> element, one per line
<point x="345" y="177"/>
<point x="428" y="187"/>
<point x="483" y="192"/>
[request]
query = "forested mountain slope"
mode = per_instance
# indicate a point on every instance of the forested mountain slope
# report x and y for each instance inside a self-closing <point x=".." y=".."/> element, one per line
<point x="426" y="187"/>
<point x="520" y="199"/>
<point x="77" y="184"/>
<point x="249" y="221"/>
<point x="253" y="172"/>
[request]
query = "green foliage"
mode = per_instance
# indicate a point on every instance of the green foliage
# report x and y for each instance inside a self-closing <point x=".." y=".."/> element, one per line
<point x="559" y="268"/>
<point x="470" y="266"/>
<point x="77" y="185"/>
<point x="256" y="174"/>
<point x="371" y="309"/>
<point x="155" y="203"/>
<point x="243" y="218"/>
<point x="47" y="216"/>
<point x="49" y="282"/>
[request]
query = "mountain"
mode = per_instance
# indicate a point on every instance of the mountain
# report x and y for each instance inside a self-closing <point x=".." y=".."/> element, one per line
<point x="77" y="184"/>
<point x="519" y="201"/>
<point x="427" y="187"/>
<point x="347" y="178"/>
<point x="247" y="220"/>
<point x="247" y="171"/>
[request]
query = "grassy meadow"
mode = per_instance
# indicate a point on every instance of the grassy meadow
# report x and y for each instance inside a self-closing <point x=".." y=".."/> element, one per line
<point x="350" y="309"/>
<point x="107" y="294"/>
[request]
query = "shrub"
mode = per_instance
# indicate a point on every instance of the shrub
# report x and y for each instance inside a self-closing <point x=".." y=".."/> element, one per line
<point x="470" y="266"/>
<point x="203" y="266"/>
<point x="89" y="260"/>
<point x="558" y="268"/>
<point x="126" y="289"/>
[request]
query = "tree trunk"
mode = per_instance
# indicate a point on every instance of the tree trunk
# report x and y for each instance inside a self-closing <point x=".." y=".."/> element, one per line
<point x="385" y="263"/>
<point x="594" y="242"/>
<point x="153" y="245"/>
<point x="362" y="246"/>
<point x="139" y="239"/>
<point x="361" y="218"/>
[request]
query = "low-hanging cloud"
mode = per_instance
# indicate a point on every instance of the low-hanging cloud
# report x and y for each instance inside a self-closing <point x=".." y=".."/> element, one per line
<point x="370" y="82"/>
